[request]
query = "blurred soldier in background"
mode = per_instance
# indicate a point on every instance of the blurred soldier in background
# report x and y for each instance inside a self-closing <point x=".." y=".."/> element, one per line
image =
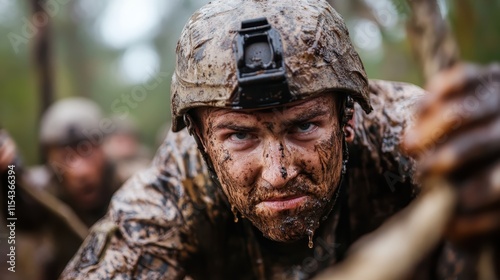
<point x="124" y="148"/>
<point x="72" y="133"/>
<point x="77" y="181"/>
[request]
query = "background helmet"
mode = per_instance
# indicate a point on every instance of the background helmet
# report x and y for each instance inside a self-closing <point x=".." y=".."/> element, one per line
<point x="69" y="120"/>
<point x="308" y="38"/>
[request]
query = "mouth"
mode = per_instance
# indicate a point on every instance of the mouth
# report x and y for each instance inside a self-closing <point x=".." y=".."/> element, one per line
<point x="282" y="203"/>
<point x="87" y="192"/>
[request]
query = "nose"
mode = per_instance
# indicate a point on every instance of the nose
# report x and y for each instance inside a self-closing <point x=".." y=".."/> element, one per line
<point x="277" y="167"/>
<point x="81" y="169"/>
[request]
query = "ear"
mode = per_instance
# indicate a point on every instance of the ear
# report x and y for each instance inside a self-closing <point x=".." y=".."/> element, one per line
<point x="349" y="129"/>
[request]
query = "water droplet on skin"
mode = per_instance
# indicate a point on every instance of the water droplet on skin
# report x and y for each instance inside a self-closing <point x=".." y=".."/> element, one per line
<point x="310" y="233"/>
<point x="235" y="213"/>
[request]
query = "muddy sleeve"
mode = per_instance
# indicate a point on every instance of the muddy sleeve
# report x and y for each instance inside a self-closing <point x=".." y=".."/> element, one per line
<point x="381" y="177"/>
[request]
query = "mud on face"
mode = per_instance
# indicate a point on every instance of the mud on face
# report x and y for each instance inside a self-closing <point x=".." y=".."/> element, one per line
<point x="279" y="168"/>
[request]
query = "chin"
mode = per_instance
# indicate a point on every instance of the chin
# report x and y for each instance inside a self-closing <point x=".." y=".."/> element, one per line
<point x="287" y="229"/>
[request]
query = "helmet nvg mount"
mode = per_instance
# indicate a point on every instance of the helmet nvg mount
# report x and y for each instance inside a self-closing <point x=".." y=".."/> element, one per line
<point x="260" y="67"/>
<point x="246" y="54"/>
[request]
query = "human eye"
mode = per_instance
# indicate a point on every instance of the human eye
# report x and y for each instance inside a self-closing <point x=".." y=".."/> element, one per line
<point x="239" y="136"/>
<point x="305" y="127"/>
<point x="239" y="140"/>
<point x="304" y="131"/>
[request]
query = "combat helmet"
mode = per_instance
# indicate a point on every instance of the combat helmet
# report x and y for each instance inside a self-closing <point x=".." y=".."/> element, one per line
<point x="261" y="53"/>
<point x="68" y="121"/>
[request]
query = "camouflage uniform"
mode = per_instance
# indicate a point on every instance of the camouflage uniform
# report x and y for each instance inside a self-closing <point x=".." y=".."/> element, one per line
<point x="171" y="222"/>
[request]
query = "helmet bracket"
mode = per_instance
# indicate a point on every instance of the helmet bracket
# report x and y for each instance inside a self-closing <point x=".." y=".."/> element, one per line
<point x="260" y="67"/>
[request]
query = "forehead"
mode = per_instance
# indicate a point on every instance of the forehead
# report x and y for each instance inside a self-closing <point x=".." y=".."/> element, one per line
<point x="325" y="102"/>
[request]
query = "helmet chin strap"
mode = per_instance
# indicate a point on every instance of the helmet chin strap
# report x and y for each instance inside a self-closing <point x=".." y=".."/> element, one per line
<point x="193" y="131"/>
<point x="347" y="112"/>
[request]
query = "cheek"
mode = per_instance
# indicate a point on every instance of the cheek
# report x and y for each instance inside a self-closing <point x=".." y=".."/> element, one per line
<point x="330" y="159"/>
<point x="237" y="173"/>
<point x="235" y="181"/>
<point x="98" y="161"/>
<point x="323" y="162"/>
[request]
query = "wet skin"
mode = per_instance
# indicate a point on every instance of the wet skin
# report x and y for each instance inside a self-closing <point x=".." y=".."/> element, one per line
<point x="278" y="167"/>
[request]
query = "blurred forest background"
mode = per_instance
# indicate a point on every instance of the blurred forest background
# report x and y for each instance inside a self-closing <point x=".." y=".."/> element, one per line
<point x="121" y="53"/>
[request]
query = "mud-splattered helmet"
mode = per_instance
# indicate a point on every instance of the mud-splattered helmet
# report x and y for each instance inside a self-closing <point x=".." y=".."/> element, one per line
<point x="262" y="53"/>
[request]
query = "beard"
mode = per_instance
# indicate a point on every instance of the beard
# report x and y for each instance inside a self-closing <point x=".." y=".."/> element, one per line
<point x="288" y="225"/>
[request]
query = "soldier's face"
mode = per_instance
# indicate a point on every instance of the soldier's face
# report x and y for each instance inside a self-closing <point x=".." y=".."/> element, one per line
<point x="80" y="174"/>
<point x="279" y="167"/>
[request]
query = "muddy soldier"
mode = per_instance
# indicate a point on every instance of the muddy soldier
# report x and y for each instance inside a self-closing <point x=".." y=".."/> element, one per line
<point x="281" y="153"/>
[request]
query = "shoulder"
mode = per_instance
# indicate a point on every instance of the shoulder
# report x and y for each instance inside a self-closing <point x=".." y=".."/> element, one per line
<point x="395" y="91"/>
<point x="381" y="176"/>
<point x="160" y="208"/>
<point x="380" y="132"/>
<point x="394" y="105"/>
